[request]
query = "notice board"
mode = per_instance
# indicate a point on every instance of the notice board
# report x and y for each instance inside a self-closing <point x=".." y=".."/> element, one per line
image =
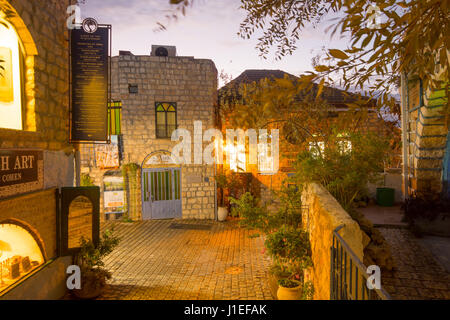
<point x="90" y="84"/>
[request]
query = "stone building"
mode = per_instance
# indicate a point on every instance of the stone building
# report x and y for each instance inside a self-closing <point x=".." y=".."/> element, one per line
<point x="152" y="96"/>
<point x="426" y="138"/>
<point x="35" y="156"/>
<point x="263" y="177"/>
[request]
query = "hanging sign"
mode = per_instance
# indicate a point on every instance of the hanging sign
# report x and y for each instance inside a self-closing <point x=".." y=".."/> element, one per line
<point x="90" y="82"/>
<point x="20" y="171"/>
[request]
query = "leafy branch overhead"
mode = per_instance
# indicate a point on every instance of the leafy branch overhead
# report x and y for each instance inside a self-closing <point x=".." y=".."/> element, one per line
<point x="407" y="36"/>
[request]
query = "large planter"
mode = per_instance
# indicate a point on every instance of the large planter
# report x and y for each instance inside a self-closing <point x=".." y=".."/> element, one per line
<point x="294" y="293"/>
<point x="222" y="213"/>
<point x="92" y="286"/>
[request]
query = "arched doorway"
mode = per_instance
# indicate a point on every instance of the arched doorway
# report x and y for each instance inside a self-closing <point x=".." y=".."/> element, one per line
<point x="161" y="186"/>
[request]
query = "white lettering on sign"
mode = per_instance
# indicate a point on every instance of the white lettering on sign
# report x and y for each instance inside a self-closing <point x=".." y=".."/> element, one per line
<point x="23" y="162"/>
<point x="4" y="163"/>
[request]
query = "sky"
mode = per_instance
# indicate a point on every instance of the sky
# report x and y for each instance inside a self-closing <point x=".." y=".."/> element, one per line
<point x="208" y="31"/>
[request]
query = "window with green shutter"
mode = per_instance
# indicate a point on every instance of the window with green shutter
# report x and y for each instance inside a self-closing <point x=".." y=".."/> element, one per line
<point x="115" y="117"/>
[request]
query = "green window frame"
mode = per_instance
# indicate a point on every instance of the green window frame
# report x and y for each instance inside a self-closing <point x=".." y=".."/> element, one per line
<point x="115" y="117"/>
<point x="165" y="119"/>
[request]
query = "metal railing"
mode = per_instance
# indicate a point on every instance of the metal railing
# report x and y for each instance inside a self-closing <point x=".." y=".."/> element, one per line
<point x="348" y="275"/>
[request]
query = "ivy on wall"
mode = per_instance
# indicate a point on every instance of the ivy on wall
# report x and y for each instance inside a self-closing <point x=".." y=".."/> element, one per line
<point x="130" y="173"/>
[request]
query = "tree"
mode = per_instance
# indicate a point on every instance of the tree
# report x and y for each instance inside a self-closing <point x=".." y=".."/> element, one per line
<point x="409" y="36"/>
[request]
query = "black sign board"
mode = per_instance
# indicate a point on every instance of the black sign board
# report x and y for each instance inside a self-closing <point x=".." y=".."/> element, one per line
<point x="90" y="83"/>
<point x="19" y="166"/>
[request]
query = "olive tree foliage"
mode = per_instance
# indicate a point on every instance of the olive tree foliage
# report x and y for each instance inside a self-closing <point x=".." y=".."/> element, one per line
<point x="409" y="36"/>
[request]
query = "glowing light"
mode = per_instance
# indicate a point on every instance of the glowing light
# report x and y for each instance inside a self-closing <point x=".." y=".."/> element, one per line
<point x="19" y="254"/>
<point x="10" y="80"/>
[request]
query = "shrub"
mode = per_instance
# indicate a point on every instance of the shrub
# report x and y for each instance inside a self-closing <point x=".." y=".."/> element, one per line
<point x="290" y="248"/>
<point x="86" y="180"/>
<point x="252" y="215"/>
<point x="344" y="174"/>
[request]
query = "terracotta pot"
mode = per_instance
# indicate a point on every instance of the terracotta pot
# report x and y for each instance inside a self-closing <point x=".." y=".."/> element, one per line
<point x="289" y="293"/>
<point x="222" y="213"/>
<point x="92" y="286"/>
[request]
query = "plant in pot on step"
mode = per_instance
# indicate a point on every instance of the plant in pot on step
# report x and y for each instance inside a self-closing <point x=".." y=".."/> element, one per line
<point x="90" y="260"/>
<point x="222" y="184"/>
<point x="289" y="247"/>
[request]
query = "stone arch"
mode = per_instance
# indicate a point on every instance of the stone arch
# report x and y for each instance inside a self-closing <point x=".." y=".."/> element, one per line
<point x="29" y="50"/>
<point x="160" y="158"/>
<point x="32" y="231"/>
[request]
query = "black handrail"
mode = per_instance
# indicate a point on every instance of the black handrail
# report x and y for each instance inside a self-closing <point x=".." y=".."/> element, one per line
<point x="342" y="286"/>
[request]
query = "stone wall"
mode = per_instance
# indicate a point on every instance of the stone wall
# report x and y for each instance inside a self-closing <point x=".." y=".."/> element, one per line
<point x="192" y="85"/>
<point x="38" y="212"/>
<point x="427" y="132"/>
<point x="41" y="27"/>
<point x="323" y="216"/>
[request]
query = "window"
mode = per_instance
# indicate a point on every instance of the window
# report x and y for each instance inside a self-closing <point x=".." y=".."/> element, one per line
<point x="133" y="88"/>
<point x="166" y="119"/>
<point x="10" y="78"/>
<point x="115" y="117"/>
<point x="265" y="157"/>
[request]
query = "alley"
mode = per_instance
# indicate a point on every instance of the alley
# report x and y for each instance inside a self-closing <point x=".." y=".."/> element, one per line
<point x="186" y="259"/>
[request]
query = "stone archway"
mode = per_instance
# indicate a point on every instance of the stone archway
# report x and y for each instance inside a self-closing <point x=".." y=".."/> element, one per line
<point x="29" y="50"/>
<point x="161" y="186"/>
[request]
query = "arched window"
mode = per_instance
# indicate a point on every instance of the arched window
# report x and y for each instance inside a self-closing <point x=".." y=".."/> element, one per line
<point x="11" y="81"/>
<point x="166" y="119"/>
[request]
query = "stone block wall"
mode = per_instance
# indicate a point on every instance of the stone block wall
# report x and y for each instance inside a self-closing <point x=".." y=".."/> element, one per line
<point x="192" y="85"/>
<point x="323" y="216"/>
<point x="427" y="132"/>
<point x="38" y="212"/>
<point x="41" y="25"/>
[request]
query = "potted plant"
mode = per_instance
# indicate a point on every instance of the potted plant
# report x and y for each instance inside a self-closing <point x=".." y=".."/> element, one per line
<point x="289" y="247"/>
<point x="222" y="210"/>
<point x="90" y="261"/>
<point x="289" y="289"/>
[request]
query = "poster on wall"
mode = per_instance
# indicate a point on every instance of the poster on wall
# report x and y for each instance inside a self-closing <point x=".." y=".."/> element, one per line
<point x="113" y="195"/>
<point x="6" y="76"/>
<point x="90" y="48"/>
<point x="107" y="155"/>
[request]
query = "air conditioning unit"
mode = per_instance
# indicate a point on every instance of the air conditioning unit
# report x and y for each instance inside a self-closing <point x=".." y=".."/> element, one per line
<point x="163" y="51"/>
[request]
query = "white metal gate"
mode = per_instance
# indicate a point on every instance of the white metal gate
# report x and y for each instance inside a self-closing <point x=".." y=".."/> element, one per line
<point x="161" y="193"/>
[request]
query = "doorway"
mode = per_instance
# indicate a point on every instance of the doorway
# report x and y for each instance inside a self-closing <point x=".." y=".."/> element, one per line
<point x="161" y="193"/>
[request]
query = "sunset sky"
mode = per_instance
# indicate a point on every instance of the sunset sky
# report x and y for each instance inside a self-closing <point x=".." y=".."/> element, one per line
<point x="209" y="30"/>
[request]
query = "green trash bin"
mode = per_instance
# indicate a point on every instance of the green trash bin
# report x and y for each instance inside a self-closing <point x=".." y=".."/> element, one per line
<point x="385" y="197"/>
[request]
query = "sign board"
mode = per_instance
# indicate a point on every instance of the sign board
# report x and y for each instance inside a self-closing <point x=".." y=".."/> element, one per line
<point x="161" y="159"/>
<point x="90" y="80"/>
<point x="113" y="195"/>
<point x="20" y="171"/>
<point x="107" y="155"/>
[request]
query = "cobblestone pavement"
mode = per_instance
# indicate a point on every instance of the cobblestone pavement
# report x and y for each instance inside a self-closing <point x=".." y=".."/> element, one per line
<point x="156" y="261"/>
<point x="418" y="274"/>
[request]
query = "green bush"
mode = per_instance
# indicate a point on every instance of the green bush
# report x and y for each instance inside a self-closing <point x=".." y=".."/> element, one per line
<point x="86" y="180"/>
<point x="253" y="216"/>
<point x="345" y="174"/>
<point x="290" y="248"/>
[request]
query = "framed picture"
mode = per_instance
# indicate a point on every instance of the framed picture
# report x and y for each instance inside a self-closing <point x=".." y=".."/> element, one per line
<point x="6" y="76"/>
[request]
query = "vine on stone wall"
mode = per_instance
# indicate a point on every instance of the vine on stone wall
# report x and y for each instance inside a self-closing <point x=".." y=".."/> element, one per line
<point x="130" y="185"/>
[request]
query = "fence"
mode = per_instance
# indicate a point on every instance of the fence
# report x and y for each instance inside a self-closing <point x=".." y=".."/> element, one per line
<point x="348" y="275"/>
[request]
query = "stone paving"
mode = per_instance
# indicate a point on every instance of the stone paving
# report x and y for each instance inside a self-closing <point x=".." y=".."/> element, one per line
<point x="217" y="260"/>
<point x="418" y="275"/>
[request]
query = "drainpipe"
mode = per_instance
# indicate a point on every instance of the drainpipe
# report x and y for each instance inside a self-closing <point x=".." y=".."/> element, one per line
<point x="405" y="140"/>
